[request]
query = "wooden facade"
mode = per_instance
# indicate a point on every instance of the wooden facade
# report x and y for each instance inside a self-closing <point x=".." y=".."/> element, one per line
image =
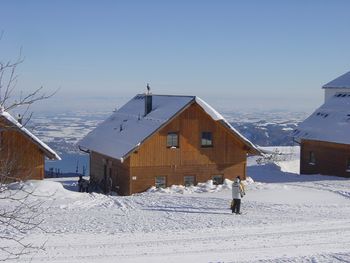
<point x="327" y="158"/>
<point x="138" y="172"/>
<point x="101" y="165"/>
<point x="22" y="155"/>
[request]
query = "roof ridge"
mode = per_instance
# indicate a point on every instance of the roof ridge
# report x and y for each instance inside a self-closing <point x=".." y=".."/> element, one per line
<point x="166" y="95"/>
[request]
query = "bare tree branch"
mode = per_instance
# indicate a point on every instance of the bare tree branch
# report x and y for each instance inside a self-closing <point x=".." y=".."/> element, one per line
<point x="29" y="99"/>
<point x="21" y="210"/>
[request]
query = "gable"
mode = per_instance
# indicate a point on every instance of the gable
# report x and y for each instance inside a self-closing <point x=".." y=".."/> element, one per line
<point x="16" y="147"/>
<point x="12" y="123"/>
<point x="206" y="119"/>
<point x="189" y="125"/>
<point x="249" y="146"/>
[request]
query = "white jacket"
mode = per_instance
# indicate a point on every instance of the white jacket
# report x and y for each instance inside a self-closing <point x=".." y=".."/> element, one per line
<point x="236" y="190"/>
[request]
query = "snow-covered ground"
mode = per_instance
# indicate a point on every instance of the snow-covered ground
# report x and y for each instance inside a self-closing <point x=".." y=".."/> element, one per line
<point x="286" y="218"/>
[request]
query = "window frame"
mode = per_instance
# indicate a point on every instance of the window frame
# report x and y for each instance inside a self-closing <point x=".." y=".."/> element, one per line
<point x="194" y="180"/>
<point x="157" y="184"/>
<point x="206" y="140"/>
<point x="171" y="145"/>
<point x="312" y="158"/>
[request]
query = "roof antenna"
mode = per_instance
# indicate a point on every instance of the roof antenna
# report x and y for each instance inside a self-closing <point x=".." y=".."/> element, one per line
<point x="148" y="89"/>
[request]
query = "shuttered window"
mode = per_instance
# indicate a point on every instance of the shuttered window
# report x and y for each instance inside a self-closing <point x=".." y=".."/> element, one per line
<point x="172" y="140"/>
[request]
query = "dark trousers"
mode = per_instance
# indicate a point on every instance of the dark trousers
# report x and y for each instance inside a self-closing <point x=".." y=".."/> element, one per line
<point x="236" y="206"/>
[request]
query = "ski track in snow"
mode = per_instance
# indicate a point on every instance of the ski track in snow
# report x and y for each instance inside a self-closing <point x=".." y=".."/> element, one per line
<point x="226" y="246"/>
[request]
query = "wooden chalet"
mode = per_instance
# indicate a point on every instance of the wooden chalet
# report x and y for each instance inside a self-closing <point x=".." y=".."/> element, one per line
<point x="22" y="154"/>
<point x="324" y="136"/>
<point x="162" y="140"/>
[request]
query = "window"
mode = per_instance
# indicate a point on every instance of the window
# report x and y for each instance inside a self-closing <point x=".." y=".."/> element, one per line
<point x="160" y="182"/>
<point x="207" y="139"/>
<point x="312" y="158"/>
<point x="322" y="114"/>
<point x="348" y="165"/>
<point x="348" y="117"/>
<point x="189" y="180"/>
<point x="218" y="179"/>
<point x="172" y="140"/>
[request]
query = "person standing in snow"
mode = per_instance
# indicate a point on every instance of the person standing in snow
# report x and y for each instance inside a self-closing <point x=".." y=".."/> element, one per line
<point x="83" y="184"/>
<point x="237" y="194"/>
<point x="80" y="183"/>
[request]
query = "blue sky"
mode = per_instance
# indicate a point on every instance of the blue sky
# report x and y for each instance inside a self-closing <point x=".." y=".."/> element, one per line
<point x="235" y="54"/>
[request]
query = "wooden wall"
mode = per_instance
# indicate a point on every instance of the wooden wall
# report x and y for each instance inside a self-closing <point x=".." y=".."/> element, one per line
<point x="20" y="155"/>
<point x="145" y="176"/>
<point x="227" y="157"/>
<point x="119" y="172"/>
<point x="331" y="158"/>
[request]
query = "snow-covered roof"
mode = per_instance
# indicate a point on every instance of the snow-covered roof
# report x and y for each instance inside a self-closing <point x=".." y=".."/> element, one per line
<point x="330" y="122"/>
<point x="339" y="83"/>
<point x="126" y="129"/>
<point x="51" y="154"/>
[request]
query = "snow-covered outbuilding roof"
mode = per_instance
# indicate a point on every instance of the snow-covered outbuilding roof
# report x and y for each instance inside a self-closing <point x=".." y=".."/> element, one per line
<point x="339" y="83"/>
<point x="126" y="129"/>
<point x="14" y="124"/>
<point x="330" y="122"/>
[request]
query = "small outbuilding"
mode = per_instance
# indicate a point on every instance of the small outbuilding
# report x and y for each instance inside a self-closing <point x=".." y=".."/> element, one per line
<point x="22" y="154"/>
<point x="163" y="140"/>
<point x="324" y="136"/>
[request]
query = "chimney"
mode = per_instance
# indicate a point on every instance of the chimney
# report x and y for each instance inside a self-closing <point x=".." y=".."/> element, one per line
<point x="19" y="118"/>
<point x="148" y="103"/>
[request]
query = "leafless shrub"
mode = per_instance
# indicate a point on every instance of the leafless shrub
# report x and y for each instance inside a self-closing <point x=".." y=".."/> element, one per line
<point x="17" y="219"/>
<point x="20" y="210"/>
<point x="274" y="156"/>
